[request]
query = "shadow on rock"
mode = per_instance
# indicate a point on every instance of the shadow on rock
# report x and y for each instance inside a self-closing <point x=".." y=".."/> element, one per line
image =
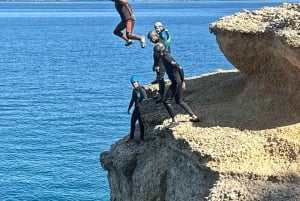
<point x="232" y="99"/>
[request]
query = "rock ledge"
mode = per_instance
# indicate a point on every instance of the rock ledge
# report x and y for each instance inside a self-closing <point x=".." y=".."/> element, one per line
<point x="248" y="146"/>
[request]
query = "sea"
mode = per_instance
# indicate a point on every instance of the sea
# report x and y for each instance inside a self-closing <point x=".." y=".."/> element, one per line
<point x="65" y="89"/>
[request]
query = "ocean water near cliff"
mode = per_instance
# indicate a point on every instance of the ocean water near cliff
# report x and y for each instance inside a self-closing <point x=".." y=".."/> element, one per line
<point x="65" y="86"/>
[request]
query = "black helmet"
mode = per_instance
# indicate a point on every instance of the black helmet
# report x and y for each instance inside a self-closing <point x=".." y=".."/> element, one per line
<point x="151" y="34"/>
<point x="159" y="47"/>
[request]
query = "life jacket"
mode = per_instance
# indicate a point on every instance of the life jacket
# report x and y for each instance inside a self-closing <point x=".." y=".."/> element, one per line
<point x="168" y="35"/>
<point x="168" y="41"/>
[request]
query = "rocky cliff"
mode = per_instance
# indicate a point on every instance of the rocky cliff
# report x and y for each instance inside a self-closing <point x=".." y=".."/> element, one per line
<point x="248" y="145"/>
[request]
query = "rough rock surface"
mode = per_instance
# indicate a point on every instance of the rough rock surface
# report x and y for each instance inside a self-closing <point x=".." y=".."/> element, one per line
<point x="248" y="145"/>
<point x="264" y="43"/>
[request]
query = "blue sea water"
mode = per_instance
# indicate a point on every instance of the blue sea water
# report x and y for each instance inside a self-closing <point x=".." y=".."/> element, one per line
<point x="65" y="87"/>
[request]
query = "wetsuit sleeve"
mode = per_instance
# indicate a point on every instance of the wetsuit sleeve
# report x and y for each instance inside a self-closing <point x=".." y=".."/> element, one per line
<point x="131" y="101"/>
<point x="144" y="94"/>
<point x="181" y="72"/>
<point x="156" y="61"/>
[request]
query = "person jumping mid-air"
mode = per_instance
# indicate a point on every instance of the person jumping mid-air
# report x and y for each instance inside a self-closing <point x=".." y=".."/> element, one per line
<point x="127" y="22"/>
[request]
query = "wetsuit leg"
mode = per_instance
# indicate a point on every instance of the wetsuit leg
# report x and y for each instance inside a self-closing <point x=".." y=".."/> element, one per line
<point x="134" y="118"/>
<point x="167" y="100"/>
<point x="140" y="124"/>
<point x="179" y="100"/>
<point x="118" y="30"/>
<point x="161" y="81"/>
<point x="129" y="26"/>
<point x="129" y="30"/>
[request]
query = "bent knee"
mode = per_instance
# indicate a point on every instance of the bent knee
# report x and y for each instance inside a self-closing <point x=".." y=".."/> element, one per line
<point x="116" y="32"/>
<point x="129" y="35"/>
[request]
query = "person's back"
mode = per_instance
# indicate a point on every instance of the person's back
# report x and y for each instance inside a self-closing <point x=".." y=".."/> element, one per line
<point x="173" y="69"/>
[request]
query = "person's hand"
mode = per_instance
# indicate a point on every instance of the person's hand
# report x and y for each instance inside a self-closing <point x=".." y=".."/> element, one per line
<point x="157" y="68"/>
<point x="183" y="85"/>
<point x="128" y="111"/>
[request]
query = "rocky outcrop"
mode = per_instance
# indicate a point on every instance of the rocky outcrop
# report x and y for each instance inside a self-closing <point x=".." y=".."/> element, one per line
<point x="264" y="43"/>
<point x="161" y="168"/>
<point x="248" y="145"/>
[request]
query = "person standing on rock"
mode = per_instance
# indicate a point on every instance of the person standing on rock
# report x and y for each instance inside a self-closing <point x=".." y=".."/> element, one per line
<point x="164" y="34"/>
<point x="158" y="66"/>
<point x="127" y="22"/>
<point x="138" y="95"/>
<point x="176" y="75"/>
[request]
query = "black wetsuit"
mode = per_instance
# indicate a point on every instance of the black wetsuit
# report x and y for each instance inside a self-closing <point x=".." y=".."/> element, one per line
<point x="127" y="21"/>
<point x="138" y="95"/>
<point x="161" y="73"/>
<point x="123" y="11"/>
<point x="176" y="75"/>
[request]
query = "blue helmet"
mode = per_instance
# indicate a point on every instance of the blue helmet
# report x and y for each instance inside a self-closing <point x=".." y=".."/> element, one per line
<point x="134" y="78"/>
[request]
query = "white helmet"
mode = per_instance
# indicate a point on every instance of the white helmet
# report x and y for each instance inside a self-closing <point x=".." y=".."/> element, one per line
<point x="158" y="24"/>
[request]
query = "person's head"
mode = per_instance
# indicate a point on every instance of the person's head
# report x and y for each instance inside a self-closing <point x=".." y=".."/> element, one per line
<point x="158" y="26"/>
<point x="153" y="36"/>
<point x="159" y="48"/>
<point x="134" y="81"/>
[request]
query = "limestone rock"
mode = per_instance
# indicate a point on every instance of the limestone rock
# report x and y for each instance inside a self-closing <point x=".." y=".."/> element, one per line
<point x="264" y="43"/>
<point x="247" y="148"/>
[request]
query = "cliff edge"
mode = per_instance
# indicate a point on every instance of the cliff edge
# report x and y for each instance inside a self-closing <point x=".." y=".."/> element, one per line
<point x="248" y="145"/>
